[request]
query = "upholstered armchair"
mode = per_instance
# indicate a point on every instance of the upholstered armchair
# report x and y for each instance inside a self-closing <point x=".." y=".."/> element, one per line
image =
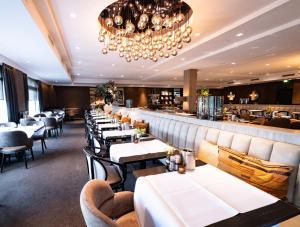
<point x="102" y="207"/>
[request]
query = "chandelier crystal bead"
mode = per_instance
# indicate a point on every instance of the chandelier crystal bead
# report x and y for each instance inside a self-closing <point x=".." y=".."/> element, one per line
<point x="148" y="29"/>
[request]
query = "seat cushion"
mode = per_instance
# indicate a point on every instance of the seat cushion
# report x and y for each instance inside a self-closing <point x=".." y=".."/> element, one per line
<point x="113" y="176"/>
<point x="225" y="139"/>
<point x="241" y="143"/>
<point x="208" y="153"/>
<point x="12" y="150"/>
<point x="212" y="135"/>
<point x="270" y="177"/>
<point x="260" y="148"/>
<point x="129" y="219"/>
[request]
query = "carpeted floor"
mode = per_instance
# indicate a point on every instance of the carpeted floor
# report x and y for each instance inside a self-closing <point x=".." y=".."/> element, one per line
<point x="46" y="194"/>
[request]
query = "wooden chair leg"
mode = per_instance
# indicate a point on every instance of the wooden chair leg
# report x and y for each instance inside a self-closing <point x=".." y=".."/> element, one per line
<point x="2" y="162"/>
<point x="25" y="159"/>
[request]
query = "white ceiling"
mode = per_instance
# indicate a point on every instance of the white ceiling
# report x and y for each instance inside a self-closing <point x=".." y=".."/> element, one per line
<point x="269" y="47"/>
<point x="23" y="45"/>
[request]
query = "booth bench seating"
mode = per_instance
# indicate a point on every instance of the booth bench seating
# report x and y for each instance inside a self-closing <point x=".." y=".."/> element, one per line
<point x="196" y="137"/>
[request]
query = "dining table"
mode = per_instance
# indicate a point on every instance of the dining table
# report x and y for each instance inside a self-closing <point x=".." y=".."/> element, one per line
<point x="108" y="126"/>
<point x="206" y="196"/>
<point x="103" y="121"/>
<point x="29" y="130"/>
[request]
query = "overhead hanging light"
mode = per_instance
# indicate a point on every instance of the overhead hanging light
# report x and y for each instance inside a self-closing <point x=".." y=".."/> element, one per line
<point x="145" y="29"/>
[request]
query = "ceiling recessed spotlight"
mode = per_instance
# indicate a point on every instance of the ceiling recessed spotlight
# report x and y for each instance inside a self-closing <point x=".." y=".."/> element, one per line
<point x="288" y="66"/>
<point x="73" y="15"/>
<point x="77" y="47"/>
<point x="78" y="74"/>
<point x="79" y="62"/>
<point x="233" y="63"/>
<point x="197" y="34"/>
<point x="122" y="76"/>
<point x="113" y="65"/>
<point x="100" y="75"/>
<point x="156" y="70"/>
<point x="250" y="73"/>
<point x="175" y="78"/>
<point x="231" y="71"/>
<point x="267" y="64"/>
<point x="206" y="79"/>
<point x="220" y="80"/>
<point x="239" y="34"/>
<point x="182" y="59"/>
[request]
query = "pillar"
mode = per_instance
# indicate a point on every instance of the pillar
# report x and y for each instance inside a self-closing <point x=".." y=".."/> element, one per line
<point x="190" y="90"/>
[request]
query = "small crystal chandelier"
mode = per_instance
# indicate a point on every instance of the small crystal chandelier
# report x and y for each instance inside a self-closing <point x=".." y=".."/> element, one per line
<point x="145" y="29"/>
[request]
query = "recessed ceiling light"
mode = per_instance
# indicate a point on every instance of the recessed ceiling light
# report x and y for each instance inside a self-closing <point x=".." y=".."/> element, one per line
<point x="231" y="71"/>
<point x="250" y="73"/>
<point x="288" y="66"/>
<point x="78" y="74"/>
<point x="73" y="15"/>
<point x="239" y="34"/>
<point x="233" y="63"/>
<point x="77" y="48"/>
<point x="175" y="78"/>
<point x="79" y="62"/>
<point x="182" y="59"/>
<point x="197" y="34"/>
<point x="122" y="76"/>
<point x="206" y="79"/>
<point x="156" y="70"/>
<point x="267" y="64"/>
<point x="100" y="75"/>
<point x="221" y="80"/>
<point x="113" y="65"/>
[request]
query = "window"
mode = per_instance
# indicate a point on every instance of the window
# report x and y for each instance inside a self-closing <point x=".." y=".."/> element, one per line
<point x="33" y="95"/>
<point x="3" y="107"/>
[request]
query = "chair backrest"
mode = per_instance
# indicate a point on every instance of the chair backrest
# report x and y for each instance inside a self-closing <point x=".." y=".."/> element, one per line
<point x="96" y="168"/>
<point x="40" y="115"/>
<point x="13" y="138"/>
<point x="25" y="121"/>
<point x="96" y="203"/>
<point x="50" y="121"/>
<point x="9" y="124"/>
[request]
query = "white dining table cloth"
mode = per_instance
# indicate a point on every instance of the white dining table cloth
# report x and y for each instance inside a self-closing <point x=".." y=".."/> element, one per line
<point x="117" y="133"/>
<point x="198" y="198"/>
<point x="109" y="125"/>
<point x="118" y="151"/>
<point x="99" y="121"/>
<point x="99" y="117"/>
<point x="29" y="130"/>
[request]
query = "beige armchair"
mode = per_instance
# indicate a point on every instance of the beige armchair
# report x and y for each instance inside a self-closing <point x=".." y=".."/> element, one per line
<point x="101" y="207"/>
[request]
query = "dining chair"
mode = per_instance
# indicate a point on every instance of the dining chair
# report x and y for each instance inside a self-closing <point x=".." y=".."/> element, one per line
<point x="14" y="143"/>
<point x="24" y="121"/>
<point x="40" y="134"/>
<point x="104" y="169"/>
<point x="100" y="206"/>
<point x="279" y="122"/>
<point x="9" y="124"/>
<point x="51" y="125"/>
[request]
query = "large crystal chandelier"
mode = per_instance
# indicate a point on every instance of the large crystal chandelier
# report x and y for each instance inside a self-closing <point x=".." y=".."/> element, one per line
<point x="145" y="29"/>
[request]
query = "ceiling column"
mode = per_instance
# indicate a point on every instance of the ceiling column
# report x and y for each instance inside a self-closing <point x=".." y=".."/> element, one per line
<point x="190" y="90"/>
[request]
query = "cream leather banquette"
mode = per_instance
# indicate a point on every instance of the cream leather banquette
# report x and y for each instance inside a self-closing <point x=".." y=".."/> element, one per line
<point x="185" y="135"/>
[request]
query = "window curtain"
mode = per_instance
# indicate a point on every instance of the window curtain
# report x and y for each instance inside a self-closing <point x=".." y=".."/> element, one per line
<point x="10" y="93"/>
<point x="40" y="90"/>
<point x="26" y="94"/>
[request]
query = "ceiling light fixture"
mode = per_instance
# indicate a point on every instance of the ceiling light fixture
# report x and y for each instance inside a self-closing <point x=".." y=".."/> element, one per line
<point x="77" y="48"/>
<point x="267" y="64"/>
<point x="239" y="34"/>
<point x="148" y="29"/>
<point x="197" y="34"/>
<point x="79" y="62"/>
<point x="233" y="63"/>
<point x="113" y="65"/>
<point x="182" y="59"/>
<point x="122" y="76"/>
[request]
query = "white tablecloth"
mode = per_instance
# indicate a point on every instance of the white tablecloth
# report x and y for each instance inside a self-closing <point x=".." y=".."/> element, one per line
<point x="118" y="151"/>
<point x="99" y="117"/>
<point x="29" y="130"/>
<point x="116" y="133"/>
<point x="198" y="198"/>
<point x="106" y="126"/>
<point x="99" y="121"/>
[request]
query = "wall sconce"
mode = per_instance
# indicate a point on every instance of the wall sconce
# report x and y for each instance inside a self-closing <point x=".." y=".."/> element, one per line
<point x="231" y="96"/>
<point x="254" y="95"/>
